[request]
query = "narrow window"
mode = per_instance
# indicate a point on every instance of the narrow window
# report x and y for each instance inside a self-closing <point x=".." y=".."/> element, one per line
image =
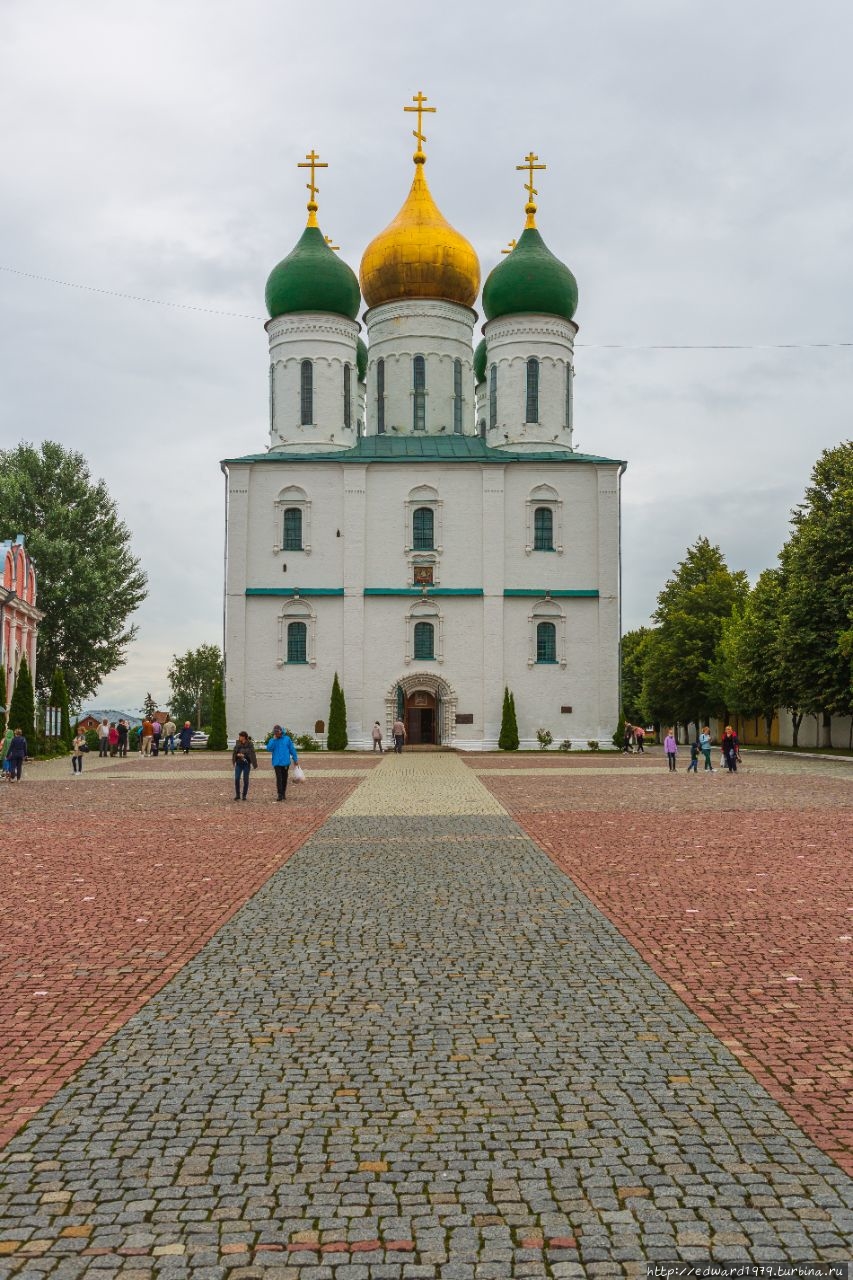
<point x="307" y="393"/>
<point x="424" y="640"/>
<point x="297" y="642"/>
<point x="292" y="540"/>
<point x="546" y="642"/>
<point x="419" y="398"/>
<point x="532" y="411"/>
<point x="347" y="395"/>
<point x="423" y="529"/>
<point x="380" y="397"/>
<point x="543" y="529"/>
<point x="457" y="397"/>
<point x="493" y="397"/>
<point x="569" y="380"/>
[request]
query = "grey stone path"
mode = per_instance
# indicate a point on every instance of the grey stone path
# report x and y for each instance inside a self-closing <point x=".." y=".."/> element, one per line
<point x="416" y="1052"/>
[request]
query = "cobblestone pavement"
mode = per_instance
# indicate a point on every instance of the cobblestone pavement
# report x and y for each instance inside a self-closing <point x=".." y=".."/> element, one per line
<point x="737" y="890"/>
<point x="416" y="1051"/>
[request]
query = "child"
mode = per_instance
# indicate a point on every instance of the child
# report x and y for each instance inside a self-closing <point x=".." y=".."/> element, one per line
<point x="695" y="752"/>
<point x="670" y="746"/>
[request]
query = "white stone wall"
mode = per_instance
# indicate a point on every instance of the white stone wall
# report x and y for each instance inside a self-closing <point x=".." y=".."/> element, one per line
<point x="510" y="342"/>
<point x="441" y="332"/>
<point x="360" y="536"/>
<point x="329" y="342"/>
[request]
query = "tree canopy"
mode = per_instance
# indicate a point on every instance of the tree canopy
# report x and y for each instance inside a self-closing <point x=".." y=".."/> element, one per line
<point x="193" y="677"/>
<point x="89" y="582"/>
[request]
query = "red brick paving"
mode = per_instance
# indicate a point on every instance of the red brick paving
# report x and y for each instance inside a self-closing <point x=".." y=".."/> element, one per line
<point x="739" y="894"/>
<point x="109" y="888"/>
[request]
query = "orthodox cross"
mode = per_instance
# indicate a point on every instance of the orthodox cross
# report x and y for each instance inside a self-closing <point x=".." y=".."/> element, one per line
<point x="419" y="99"/>
<point x="328" y="240"/>
<point x="511" y="246"/>
<point x="313" y="162"/>
<point x="530" y="165"/>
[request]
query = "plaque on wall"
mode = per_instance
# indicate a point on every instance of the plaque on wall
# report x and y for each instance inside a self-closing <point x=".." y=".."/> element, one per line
<point x="466" y="717"/>
<point x="423" y="575"/>
<point x="565" y="711"/>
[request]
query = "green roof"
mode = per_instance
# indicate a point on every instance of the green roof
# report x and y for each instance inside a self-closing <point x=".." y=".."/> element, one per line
<point x="425" y="448"/>
<point x="312" y="278"/>
<point x="530" y="280"/>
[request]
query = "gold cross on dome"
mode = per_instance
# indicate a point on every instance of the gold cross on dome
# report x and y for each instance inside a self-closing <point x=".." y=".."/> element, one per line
<point x="313" y="162"/>
<point x="510" y="246"/>
<point x="419" y="99"/>
<point x="328" y="240"/>
<point x="530" y="165"/>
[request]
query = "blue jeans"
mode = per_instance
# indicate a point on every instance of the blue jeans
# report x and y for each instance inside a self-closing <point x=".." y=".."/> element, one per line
<point x="241" y="770"/>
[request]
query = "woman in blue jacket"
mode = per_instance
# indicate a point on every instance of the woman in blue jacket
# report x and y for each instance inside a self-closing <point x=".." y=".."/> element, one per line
<point x="283" y="755"/>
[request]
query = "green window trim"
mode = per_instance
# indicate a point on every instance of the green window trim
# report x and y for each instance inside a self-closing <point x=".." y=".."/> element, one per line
<point x="423" y="646"/>
<point x="423" y="529"/>
<point x="546" y="644"/>
<point x="292" y="530"/>
<point x="297" y="643"/>
<point x="543" y="529"/>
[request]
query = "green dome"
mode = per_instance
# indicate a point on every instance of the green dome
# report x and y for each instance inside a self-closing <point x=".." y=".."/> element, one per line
<point x="312" y="278"/>
<point x="480" y="362"/>
<point x="530" y="279"/>
<point x="361" y="359"/>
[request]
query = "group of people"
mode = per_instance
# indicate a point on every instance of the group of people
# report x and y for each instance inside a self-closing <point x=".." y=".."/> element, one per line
<point x="702" y="745"/>
<point x="13" y="753"/>
<point x="283" y="752"/>
<point x="112" y="737"/>
<point x="634" y="737"/>
<point x="398" y="733"/>
<point x="156" y="736"/>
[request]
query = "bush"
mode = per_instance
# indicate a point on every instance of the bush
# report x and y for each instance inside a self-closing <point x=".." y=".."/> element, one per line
<point x="508" y="740"/>
<point x="619" y="735"/>
<point x="92" y="742"/>
<point x="566" y="744"/>
<point x="306" y="742"/>
<point x="545" y="738"/>
<point x="134" y="739"/>
<point x="593" y="745"/>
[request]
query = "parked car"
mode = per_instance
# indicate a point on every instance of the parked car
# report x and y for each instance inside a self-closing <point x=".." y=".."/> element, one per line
<point x="199" y="739"/>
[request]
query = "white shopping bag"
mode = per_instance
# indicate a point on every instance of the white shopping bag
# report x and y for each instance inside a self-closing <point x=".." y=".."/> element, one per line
<point x="298" y="774"/>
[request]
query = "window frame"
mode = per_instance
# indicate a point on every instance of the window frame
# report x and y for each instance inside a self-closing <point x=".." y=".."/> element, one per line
<point x="347" y="396"/>
<point x="424" y="610"/>
<point x="423" y="495"/>
<point x="531" y="390"/>
<point x="306" y="393"/>
<point x="539" y="536"/>
<point x="380" y="396"/>
<point x="423" y="627"/>
<point x="290" y="546"/>
<point x="543" y="495"/>
<point x="291" y="633"/>
<point x="418" y="545"/>
<point x="291" y="496"/>
<point x="547" y="610"/>
<point x="458" y="398"/>
<point x="546" y="630"/>
<point x="419" y="393"/>
<point x="493" y="397"/>
<point x="296" y="609"/>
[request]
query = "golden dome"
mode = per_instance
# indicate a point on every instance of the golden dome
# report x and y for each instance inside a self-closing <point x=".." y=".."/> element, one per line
<point x="419" y="255"/>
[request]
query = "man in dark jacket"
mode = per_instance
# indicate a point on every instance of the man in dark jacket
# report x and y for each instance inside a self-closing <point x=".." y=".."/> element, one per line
<point x="243" y="759"/>
<point x="16" y="755"/>
<point x="185" y="737"/>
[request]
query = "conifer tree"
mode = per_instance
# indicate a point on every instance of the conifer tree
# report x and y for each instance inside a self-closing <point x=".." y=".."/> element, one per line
<point x="22" y="710"/>
<point x="218" y="737"/>
<point x="508" y="740"/>
<point x="336" y="739"/>
<point x="59" y="698"/>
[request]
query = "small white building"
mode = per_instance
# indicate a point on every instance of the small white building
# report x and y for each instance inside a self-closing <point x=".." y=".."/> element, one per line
<point x="420" y="522"/>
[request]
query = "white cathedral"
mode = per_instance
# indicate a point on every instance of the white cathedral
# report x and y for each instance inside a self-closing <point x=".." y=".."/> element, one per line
<point x="420" y="522"/>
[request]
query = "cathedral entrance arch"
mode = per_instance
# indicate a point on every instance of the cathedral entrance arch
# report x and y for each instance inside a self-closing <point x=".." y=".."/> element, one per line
<point x="426" y="704"/>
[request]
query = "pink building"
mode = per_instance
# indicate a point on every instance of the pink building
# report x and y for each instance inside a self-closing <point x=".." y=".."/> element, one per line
<point x="19" y="617"/>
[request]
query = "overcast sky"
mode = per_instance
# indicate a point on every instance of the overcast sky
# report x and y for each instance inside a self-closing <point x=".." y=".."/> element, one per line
<point x="699" y="185"/>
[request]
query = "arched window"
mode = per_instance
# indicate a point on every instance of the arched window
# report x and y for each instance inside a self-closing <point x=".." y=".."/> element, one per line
<point x="457" y="397"/>
<point x="419" y="393"/>
<point x="546" y="642"/>
<point x="543" y="529"/>
<point x="292" y="536"/>
<point x="569" y="380"/>
<point x="532" y="411"/>
<point x="347" y="395"/>
<point x="380" y="397"/>
<point x="424" y="640"/>
<point x="423" y="529"/>
<point x="297" y="642"/>
<point x="307" y="393"/>
<point x="493" y="397"/>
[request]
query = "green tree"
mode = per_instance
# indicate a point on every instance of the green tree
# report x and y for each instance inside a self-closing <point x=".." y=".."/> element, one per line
<point x="192" y="678"/>
<point x="508" y="740"/>
<point x="89" y="583"/>
<point x="817" y="566"/>
<point x="218" y="737"/>
<point x="748" y="669"/>
<point x="2" y="699"/>
<point x="59" y="698"/>
<point x="149" y="707"/>
<point x="692" y="607"/>
<point x="22" y="709"/>
<point x="336" y="739"/>
<point x="633" y="657"/>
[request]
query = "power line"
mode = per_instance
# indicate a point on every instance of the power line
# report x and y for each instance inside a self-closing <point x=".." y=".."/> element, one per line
<point x="589" y="346"/>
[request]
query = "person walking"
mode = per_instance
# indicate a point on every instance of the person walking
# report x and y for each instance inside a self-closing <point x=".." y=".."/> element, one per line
<point x="16" y="755"/>
<point x="169" y="731"/>
<point x="145" y="738"/>
<point x="705" y="747"/>
<point x="104" y="737"/>
<point x="398" y="733"/>
<point x="185" y="737"/>
<point x="377" y="736"/>
<point x="244" y="759"/>
<point x="695" y="752"/>
<point x="639" y="735"/>
<point x="670" y="746"/>
<point x="283" y="754"/>
<point x="123" y="733"/>
<point x="730" y="745"/>
<point x="626" y="739"/>
<point x="78" y="750"/>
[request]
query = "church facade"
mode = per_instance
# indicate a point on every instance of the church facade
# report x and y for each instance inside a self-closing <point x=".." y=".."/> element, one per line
<point x="420" y="522"/>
